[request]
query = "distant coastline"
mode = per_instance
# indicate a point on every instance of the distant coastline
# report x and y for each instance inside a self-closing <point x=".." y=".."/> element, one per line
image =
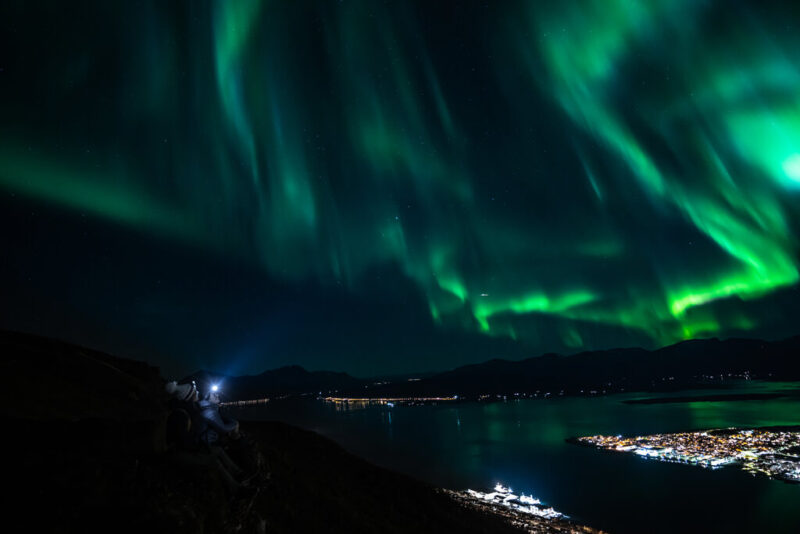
<point x="687" y="366"/>
<point x="707" y="398"/>
<point x="575" y="440"/>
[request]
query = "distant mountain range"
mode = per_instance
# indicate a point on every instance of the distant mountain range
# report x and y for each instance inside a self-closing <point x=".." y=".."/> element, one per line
<point x="679" y="366"/>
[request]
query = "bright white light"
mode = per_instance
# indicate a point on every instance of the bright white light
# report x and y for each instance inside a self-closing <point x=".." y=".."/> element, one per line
<point x="791" y="167"/>
<point x="214" y="388"/>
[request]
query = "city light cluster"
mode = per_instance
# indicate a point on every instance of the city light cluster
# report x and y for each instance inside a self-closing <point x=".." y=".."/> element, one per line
<point x="774" y="453"/>
<point x="388" y="401"/>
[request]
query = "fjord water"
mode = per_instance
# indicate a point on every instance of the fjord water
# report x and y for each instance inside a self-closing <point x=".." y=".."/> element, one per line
<point x="521" y="443"/>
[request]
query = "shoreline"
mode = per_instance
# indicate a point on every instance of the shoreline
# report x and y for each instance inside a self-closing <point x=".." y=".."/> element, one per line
<point x="708" y="398"/>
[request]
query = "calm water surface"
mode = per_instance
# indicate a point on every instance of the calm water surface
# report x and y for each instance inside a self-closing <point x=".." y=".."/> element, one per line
<point x="521" y="443"/>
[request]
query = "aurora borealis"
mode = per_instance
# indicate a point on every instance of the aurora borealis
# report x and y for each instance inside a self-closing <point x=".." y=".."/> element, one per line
<point x="522" y="176"/>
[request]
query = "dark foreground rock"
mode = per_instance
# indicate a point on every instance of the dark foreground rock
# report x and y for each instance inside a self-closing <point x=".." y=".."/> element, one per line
<point x="89" y="453"/>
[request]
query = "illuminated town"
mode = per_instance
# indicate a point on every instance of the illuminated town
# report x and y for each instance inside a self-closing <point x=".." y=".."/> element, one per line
<point x="773" y="453"/>
<point x="387" y="401"/>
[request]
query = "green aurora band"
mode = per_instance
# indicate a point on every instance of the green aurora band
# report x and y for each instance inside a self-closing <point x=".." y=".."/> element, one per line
<point x="639" y="162"/>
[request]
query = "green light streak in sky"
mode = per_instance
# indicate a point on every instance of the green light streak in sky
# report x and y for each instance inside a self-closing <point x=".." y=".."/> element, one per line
<point x="585" y="49"/>
<point x="769" y="139"/>
<point x="234" y="22"/>
<point x="538" y="302"/>
<point x="105" y="195"/>
<point x="791" y="167"/>
<point x="324" y="141"/>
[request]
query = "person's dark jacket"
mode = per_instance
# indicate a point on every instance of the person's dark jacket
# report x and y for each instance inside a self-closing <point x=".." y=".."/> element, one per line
<point x="181" y="425"/>
<point x="211" y="425"/>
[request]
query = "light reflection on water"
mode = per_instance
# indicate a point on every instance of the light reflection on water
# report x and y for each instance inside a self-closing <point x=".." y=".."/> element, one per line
<point x="522" y="444"/>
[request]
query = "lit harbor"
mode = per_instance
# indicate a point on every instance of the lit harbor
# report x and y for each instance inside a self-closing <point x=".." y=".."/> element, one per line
<point x="388" y="401"/>
<point x="526" y="504"/>
<point x="774" y="453"/>
<point x="522" y="510"/>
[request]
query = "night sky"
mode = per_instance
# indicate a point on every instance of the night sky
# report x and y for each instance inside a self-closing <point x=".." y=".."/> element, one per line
<point x="384" y="187"/>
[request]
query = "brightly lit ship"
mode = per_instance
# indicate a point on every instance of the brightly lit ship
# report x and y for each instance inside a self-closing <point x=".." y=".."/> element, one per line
<point x="503" y="496"/>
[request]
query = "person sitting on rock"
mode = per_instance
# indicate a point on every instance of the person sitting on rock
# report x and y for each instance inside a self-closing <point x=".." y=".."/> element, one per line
<point x="224" y="431"/>
<point x="214" y="425"/>
<point x="190" y="451"/>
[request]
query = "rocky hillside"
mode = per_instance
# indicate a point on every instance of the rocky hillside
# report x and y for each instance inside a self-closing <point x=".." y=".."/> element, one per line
<point x="89" y="453"/>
